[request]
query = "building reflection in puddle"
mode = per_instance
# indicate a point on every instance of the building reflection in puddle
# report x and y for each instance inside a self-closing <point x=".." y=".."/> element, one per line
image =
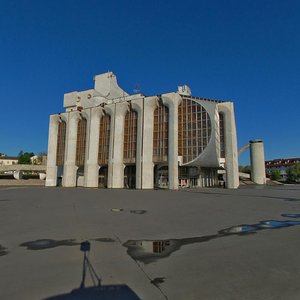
<point x="149" y="251"/>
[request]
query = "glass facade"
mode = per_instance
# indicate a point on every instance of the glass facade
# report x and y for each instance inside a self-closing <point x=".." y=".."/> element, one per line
<point x="104" y="138"/>
<point x="130" y="137"/>
<point x="194" y="129"/>
<point x="81" y="141"/>
<point x="61" y="142"/>
<point x="160" y="133"/>
<point x="222" y="135"/>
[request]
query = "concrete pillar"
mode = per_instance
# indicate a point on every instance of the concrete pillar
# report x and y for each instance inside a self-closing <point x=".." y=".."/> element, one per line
<point x="138" y="106"/>
<point x="91" y="169"/>
<point x="70" y="169"/>
<point x="257" y="158"/>
<point x="150" y="104"/>
<point x="110" y="110"/>
<point x="231" y="152"/>
<point x="18" y="175"/>
<point x="51" y="179"/>
<point x="172" y="100"/>
<point x="116" y="166"/>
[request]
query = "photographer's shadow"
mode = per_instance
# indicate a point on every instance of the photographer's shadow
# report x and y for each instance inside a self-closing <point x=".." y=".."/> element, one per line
<point x="98" y="291"/>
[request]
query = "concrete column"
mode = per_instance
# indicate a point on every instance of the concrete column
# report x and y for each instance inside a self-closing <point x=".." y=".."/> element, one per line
<point x="257" y="157"/>
<point x="91" y="169"/>
<point x="70" y="169"/>
<point x="51" y="179"/>
<point x="172" y="100"/>
<point x="231" y="152"/>
<point x="18" y="175"/>
<point x="116" y="169"/>
<point x="110" y="110"/>
<point x="150" y="104"/>
<point x="138" y="106"/>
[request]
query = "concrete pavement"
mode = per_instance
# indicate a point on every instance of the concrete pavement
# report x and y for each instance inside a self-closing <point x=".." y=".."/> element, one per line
<point x="159" y="244"/>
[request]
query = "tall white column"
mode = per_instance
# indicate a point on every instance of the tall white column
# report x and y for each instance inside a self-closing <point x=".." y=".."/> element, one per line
<point x="172" y="100"/>
<point x="257" y="157"/>
<point x="110" y="110"/>
<point x="150" y="104"/>
<point x="51" y="179"/>
<point x="70" y="168"/>
<point x="231" y="151"/>
<point x="117" y="112"/>
<point x="91" y="169"/>
<point x="138" y="106"/>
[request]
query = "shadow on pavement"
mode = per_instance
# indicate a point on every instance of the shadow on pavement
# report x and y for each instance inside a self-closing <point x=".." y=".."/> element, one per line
<point x="98" y="291"/>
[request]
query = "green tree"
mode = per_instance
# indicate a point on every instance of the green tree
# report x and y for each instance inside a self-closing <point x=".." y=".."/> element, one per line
<point x="24" y="157"/>
<point x="245" y="169"/>
<point x="294" y="172"/>
<point x="275" y="175"/>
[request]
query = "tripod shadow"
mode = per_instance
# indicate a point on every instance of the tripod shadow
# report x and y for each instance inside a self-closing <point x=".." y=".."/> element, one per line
<point x="97" y="291"/>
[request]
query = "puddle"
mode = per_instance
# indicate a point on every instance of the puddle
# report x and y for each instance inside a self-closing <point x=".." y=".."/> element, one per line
<point x="117" y="209"/>
<point x="47" y="243"/>
<point x="148" y="251"/>
<point x="138" y="211"/>
<point x="3" y="251"/>
<point x="291" y="215"/>
<point x="104" y="240"/>
<point x="157" y="281"/>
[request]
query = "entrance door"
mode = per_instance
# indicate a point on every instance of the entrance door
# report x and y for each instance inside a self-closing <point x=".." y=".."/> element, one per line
<point x="103" y="174"/>
<point x="129" y="177"/>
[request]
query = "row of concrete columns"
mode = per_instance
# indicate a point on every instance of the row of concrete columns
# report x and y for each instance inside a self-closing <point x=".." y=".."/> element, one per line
<point x="144" y="163"/>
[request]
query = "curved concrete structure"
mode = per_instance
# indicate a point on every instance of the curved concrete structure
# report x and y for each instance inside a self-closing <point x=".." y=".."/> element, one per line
<point x="257" y="158"/>
<point x="172" y="140"/>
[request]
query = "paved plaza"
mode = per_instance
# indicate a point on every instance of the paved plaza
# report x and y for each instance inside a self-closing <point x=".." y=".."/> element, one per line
<point x="156" y="244"/>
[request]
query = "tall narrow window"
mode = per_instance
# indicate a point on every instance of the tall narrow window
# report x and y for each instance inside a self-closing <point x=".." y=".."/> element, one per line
<point x="104" y="138"/>
<point x="160" y="133"/>
<point x="194" y="129"/>
<point x="81" y="140"/>
<point x="130" y="137"/>
<point x="61" y="141"/>
<point x="222" y="135"/>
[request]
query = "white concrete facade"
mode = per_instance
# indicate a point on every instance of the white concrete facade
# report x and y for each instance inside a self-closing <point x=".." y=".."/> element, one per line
<point x="198" y="166"/>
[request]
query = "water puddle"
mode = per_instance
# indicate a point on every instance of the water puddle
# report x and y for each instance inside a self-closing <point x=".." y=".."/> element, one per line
<point x="117" y="209"/>
<point x="47" y="243"/>
<point x="291" y="215"/>
<point x="157" y="281"/>
<point x="104" y="240"/>
<point x="138" y="211"/>
<point x="148" y="251"/>
<point x="3" y="251"/>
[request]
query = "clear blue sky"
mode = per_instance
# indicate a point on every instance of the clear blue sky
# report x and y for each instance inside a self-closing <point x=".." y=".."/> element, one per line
<point x="247" y="51"/>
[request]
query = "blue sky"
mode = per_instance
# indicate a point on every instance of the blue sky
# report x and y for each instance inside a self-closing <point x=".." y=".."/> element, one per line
<point x="240" y="50"/>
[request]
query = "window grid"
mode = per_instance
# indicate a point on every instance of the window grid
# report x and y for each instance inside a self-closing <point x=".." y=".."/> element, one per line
<point x="81" y="140"/>
<point x="104" y="138"/>
<point x="222" y="135"/>
<point x="61" y="140"/>
<point x="194" y="129"/>
<point x="160" y="133"/>
<point x="130" y="137"/>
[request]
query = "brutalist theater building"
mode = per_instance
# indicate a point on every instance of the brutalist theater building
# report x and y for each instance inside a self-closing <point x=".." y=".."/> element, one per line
<point x="107" y="138"/>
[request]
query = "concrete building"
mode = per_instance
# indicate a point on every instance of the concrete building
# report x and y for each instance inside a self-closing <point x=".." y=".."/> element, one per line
<point x="110" y="139"/>
<point x="8" y="160"/>
<point x="282" y="165"/>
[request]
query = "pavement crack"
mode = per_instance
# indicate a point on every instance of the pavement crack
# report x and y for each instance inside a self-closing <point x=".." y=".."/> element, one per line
<point x="152" y="281"/>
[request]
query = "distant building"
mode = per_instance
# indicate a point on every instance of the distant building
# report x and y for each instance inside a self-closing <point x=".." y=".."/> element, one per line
<point x="281" y="164"/>
<point x="107" y="138"/>
<point x="8" y="160"/>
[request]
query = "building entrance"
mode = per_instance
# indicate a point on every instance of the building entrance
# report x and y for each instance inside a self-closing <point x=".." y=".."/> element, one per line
<point x="129" y="177"/>
<point x="102" y="179"/>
